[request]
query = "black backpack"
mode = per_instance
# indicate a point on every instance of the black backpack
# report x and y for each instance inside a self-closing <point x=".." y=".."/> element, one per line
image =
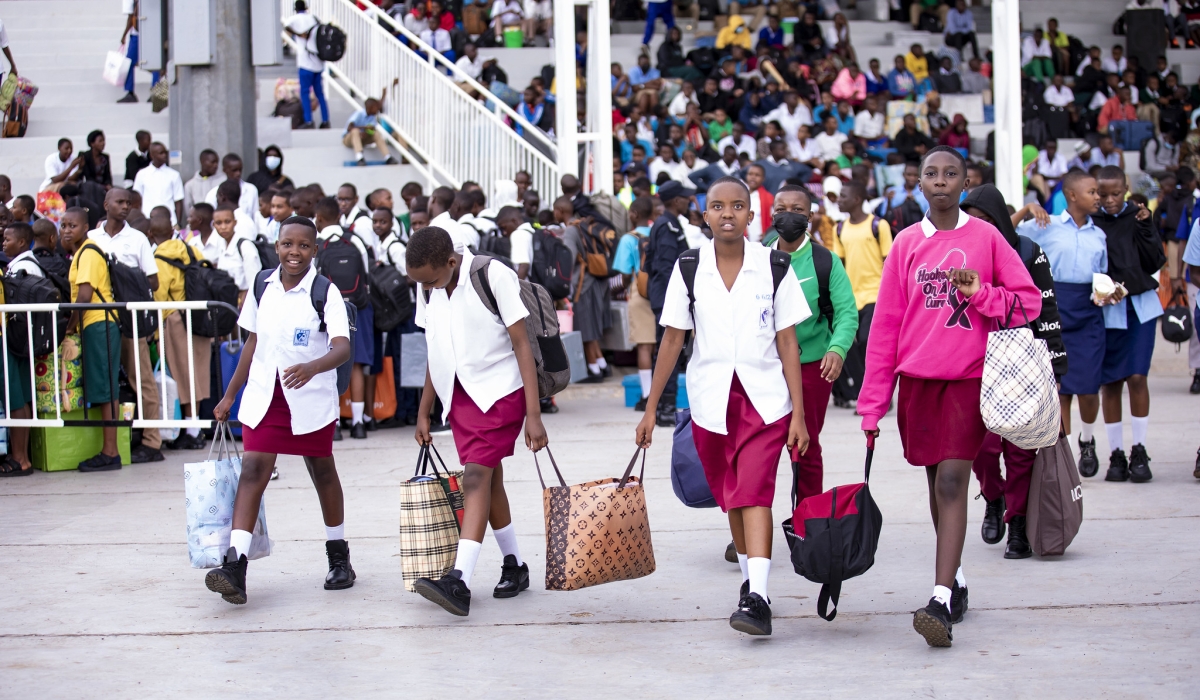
<point x="496" y="246"/>
<point x="552" y="263"/>
<point x="341" y="261"/>
<point x="56" y="268"/>
<point x="599" y="241"/>
<point x="202" y="281"/>
<point x="390" y="297"/>
<point x="331" y="42"/>
<point x="689" y="261"/>
<point x="903" y="216"/>
<point x="823" y="268"/>
<point x="265" y="249"/>
<point x="320" y="294"/>
<point x="24" y="288"/>
<point x="128" y="284"/>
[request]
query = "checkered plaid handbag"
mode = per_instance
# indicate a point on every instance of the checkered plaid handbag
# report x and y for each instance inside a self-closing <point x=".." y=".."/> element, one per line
<point x="430" y="505"/>
<point x="1019" y="398"/>
<point x="596" y="532"/>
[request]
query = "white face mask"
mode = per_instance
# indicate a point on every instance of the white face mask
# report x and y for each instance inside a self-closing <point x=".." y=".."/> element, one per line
<point x="273" y="162"/>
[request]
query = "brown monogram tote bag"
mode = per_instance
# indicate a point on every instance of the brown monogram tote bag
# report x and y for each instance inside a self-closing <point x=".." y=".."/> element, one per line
<point x="596" y="532"/>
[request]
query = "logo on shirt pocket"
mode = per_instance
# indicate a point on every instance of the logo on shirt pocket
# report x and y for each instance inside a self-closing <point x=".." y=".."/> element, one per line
<point x="764" y="318"/>
<point x="300" y="338"/>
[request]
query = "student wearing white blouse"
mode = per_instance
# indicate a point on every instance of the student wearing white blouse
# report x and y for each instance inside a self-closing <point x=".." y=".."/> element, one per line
<point x="744" y="379"/>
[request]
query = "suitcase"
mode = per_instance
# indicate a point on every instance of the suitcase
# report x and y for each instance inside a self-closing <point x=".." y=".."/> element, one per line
<point x="229" y="354"/>
<point x="1130" y="135"/>
<point x="62" y="449"/>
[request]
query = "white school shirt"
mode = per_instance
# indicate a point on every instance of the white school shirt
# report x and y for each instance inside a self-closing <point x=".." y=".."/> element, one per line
<point x="54" y="167"/>
<point x="306" y="57"/>
<point x="213" y="248"/>
<point x="747" y="145"/>
<point x="521" y="242"/>
<point x="394" y="252"/>
<point x="868" y="126"/>
<point x="830" y="145"/>
<point x="25" y="261"/>
<point x="159" y="187"/>
<point x="247" y="199"/>
<point x="462" y="236"/>
<point x="470" y="343"/>
<point x="736" y="333"/>
<point x="130" y="246"/>
<point x="288" y="334"/>
<point x="754" y="230"/>
<point x="246" y="260"/>
<point x="1058" y="97"/>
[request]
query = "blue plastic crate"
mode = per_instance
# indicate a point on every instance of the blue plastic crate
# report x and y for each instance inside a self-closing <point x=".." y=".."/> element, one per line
<point x="633" y="390"/>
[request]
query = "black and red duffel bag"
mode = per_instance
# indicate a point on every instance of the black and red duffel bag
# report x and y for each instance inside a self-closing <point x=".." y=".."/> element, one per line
<point x="833" y="536"/>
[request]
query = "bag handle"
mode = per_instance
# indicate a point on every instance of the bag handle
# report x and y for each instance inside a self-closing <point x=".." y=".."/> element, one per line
<point x="1012" y="309"/>
<point x="555" y="465"/>
<point x="424" y="460"/>
<point x="629" y="469"/>
<point x="830" y="592"/>
<point x="870" y="456"/>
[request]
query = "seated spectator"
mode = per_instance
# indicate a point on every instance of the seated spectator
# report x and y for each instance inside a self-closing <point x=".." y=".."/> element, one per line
<point x="850" y="86"/>
<point x="692" y="163"/>
<point x="727" y="166"/>
<point x="645" y="79"/>
<point x="900" y="81"/>
<point x="680" y="102"/>
<point x="668" y="162"/>
<point x="909" y="190"/>
<point x="414" y="21"/>
<point x="927" y="7"/>
<point x="670" y="53"/>
<point x="829" y="141"/>
<point x="917" y="62"/>
<point x="945" y="79"/>
<point x="536" y="112"/>
<point x="809" y="40"/>
<point x="826" y="107"/>
<point x="845" y="118"/>
<point x="270" y="172"/>
<point x="1036" y="56"/>
<point x="876" y="82"/>
<point x="622" y="90"/>
<point x="848" y="158"/>
<point x="1119" y="108"/>
<point x="364" y="125"/>
<point x="760" y="202"/>
<point x="1116" y="62"/>
<point x="960" y="29"/>
<point x="790" y="115"/>
<point x="809" y="152"/>
<point x="910" y="142"/>
<point x="735" y="33"/>
<point x="740" y="141"/>
<point x="1162" y="154"/>
<point x="869" y="124"/>
<point x="95" y="171"/>
<point x="1057" y="94"/>
<point x="539" y="18"/>
<point x="974" y="81"/>
<point x="60" y="166"/>
<point x="471" y="63"/>
<point x="1107" y="91"/>
<point x="1048" y="169"/>
<point x="1104" y="154"/>
<point x="628" y="141"/>
<point x="938" y="122"/>
<point x="837" y="38"/>
<point x="439" y="38"/>
<point x="956" y="135"/>
<point x="772" y="34"/>
<point x="719" y="126"/>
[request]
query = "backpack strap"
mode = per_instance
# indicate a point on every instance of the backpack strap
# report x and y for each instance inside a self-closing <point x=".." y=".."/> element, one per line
<point x="781" y="265"/>
<point x="483" y="287"/>
<point x="874" y="227"/>
<point x="1025" y="248"/>
<point x="689" y="262"/>
<point x="319" y="294"/>
<point x="823" y="267"/>
<point x="839" y="229"/>
<point x="260" y="285"/>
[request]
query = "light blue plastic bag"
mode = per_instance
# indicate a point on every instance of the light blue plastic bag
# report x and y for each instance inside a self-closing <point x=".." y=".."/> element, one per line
<point x="210" y="488"/>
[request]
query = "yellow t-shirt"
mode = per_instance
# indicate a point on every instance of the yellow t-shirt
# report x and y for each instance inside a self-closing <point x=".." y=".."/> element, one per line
<point x="919" y="67"/>
<point x="170" y="278"/>
<point x="863" y="255"/>
<point x="91" y="267"/>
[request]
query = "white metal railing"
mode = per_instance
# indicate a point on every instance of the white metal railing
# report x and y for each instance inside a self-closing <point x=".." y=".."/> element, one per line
<point x="456" y="135"/>
<point x="54" y="310"/>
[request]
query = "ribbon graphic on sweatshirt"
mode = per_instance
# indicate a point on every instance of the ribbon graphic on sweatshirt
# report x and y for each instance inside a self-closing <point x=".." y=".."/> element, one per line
<point x="938" y="291"/>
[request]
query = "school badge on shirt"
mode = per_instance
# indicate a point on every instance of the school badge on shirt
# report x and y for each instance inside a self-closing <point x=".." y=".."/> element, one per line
<point x="300" y="339"/>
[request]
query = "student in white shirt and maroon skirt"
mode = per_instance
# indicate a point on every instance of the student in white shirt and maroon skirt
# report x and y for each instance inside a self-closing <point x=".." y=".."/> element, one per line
<point x="744" y="382"/>
<point x="290" y="405"/>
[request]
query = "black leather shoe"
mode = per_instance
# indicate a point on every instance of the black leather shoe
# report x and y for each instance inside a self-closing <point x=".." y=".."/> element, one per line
<point x="640" y="406"/>
<point x="745" y="590"/>
<point x="358" y="431"/>
<point x="341" y="574"/>
<point x="1118" y="467"/>
<point x="513" y="578"/>
<point x="958" y="603"/>
<point x="142" y="454"/>
<point x="753" y="615"/>
<point x="337" y="433"/>
<point x="933" y="623"/>
<point x="410" y="420"/>
<point x="1139" y="465"/>
<point x="548" y="406"/>
<point x="370" y="424"/>
<point x="664" y="418"/>
<point x="592" y="378"/>
<point x="1195" y="387"/>
<point x="993" y="522"/>
<point x="448" y="591"/>
<point x="1089" y="464"/>
<point x="1018" y="542"/>
<point x="229" y="579"/>
<point x="731" y="553"/>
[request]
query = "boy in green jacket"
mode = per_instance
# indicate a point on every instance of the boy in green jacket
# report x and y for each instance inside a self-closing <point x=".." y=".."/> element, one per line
<point x="824" y="336"/>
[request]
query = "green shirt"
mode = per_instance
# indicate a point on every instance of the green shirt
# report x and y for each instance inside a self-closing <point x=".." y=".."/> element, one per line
<point x="845" y="163"/>
<point x="813" y="334"/>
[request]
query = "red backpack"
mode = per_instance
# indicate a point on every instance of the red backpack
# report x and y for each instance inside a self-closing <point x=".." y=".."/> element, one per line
<point x="833" y="536"/>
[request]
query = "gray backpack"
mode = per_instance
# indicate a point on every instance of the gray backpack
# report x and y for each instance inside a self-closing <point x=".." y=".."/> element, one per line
<point x="549" y="355"/>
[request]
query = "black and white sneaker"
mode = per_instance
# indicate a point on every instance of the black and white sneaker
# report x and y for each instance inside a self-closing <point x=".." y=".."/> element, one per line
<point x="1139" y="465"/>
<point x="958" y="603"/>
<point x="1089" y="464"/>
<point x="448" y="591"/>
<point x="513" y="578"/>
<point x="229" y="579"/>
<point x="933" y="623"/>
<point x="341" y="575"/>
<point x="1118" y="467"/>
<point x="753" y="615"/>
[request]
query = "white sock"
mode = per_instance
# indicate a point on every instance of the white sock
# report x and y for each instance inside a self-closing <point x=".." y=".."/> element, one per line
<point x="335" y="533"/>
<point x="759" y="568"/>
<point x="942" y="595"/>
<point x="464" y="561"/>
<point x="1140" y="426"/>
<point x="506" y="537"/>
<point x="1085" y="432"/>
<point x="240" y="541"/>
<point x="358" y="155"/>
<point x="194" y="432"/>
<point x="646" y="376"/>
<point x="601" y="362"/>
<point x="1114" y="436"/>
<point x="356" y="411"/>
<point x="594" y="367"/>
<point x="958" y="577"/>
<point x="745" y="568"/>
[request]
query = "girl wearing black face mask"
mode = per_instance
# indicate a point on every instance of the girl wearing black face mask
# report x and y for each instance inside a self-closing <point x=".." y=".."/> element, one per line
<point x="826" y="335"/>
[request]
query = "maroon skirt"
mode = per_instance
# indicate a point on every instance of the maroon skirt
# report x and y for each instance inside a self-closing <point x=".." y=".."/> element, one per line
<point x="486" y="438"/>
<point x="273" y="435"/>
<point x="939" y="419"/>
<point x="740" y="467"/>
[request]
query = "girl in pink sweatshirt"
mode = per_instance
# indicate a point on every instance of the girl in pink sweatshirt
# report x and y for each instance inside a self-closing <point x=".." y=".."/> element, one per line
<point x="947" y="283"/>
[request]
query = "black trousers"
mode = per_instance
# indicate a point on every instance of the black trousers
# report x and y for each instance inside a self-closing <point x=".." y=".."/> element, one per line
<point x="846" y="386"/>
<point x="960" y="41"/>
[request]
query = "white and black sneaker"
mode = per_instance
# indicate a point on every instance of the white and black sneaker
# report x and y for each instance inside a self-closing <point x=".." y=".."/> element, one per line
<point x="753" y="615"/>
<point x="933" y="623"/>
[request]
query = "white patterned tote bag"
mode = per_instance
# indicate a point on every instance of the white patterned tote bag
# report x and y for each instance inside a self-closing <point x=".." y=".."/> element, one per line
<point x="1019" y="397"/>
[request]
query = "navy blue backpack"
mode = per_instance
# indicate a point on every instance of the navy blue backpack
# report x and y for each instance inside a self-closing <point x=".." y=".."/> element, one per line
<point x="687" y="474"/>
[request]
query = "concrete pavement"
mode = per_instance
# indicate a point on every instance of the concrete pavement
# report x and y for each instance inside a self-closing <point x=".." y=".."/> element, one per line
<point x="100" y="598"/>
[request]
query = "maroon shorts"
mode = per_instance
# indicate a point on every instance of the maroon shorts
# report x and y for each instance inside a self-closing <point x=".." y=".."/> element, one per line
<point x="939" y="419"/>
<point x="486" y="438"/>
<point x="740" y="467"/>
<point x="273" y="435"/>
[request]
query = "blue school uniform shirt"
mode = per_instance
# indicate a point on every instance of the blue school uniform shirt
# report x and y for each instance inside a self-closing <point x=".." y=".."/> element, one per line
<point x="626" y="260"/>
<point x="1074" y="252"/>
<point x="901" y="194"/>
<point x="362" y="120"/>
<point x="1191" y="254"/>
<point x="876" y="86"/>
<point x="773" y="38"/>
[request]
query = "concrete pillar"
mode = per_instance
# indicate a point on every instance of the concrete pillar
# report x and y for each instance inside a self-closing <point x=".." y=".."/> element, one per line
<point x="565" y="129"/>
<point x="599" y="97"/>
<point x="1006" y="96"/>
<point x="214" y="106"/>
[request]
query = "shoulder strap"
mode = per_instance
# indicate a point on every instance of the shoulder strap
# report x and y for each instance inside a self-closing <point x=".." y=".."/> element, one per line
<point x="260" y="284"/>
<point x="839" y="229"/>
<point x="781" y="265"/>
<point x="483" y="287"/>
<point x="823" y="267"/>
<point x="170" y="261"/>
<point x="1026" y="250"/>
<point x="319" y="294"/>
<point x="875" y="227"/>
<point x="689" y="261"/>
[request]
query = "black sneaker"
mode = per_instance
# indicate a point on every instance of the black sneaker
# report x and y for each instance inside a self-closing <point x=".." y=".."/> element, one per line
<point x="358" y="431"/>
<point x="142" y="454"/>
<point x="640" y="406"/>
<point x="341" y="574"/>
<point x="548" y="406"/>
<point x="391" y="160"/>
<point x="1118" y="467"/>
<point x="324" y="125"/>
<point x="745" y="590"/>
<point x="933" y="623"/>
<point x="1139" y="465"/>
<point x="993" y="522"/>
<point x="1196" y="471"/>
<point x="101" y="463"/>
<point x="1089" y="464"/>
<point x="189" y="442"/>
<point x="1018" y="542"/>
<point x="753" y="615"/>
<point x="129" y="98"/>
<point x="592" y="378"/>
<point x="1195" y="387"/>
<point x="513" y="578"/>
<point x="229" y="579"/>
<point x="731" y="553"/>
<point x="370" y="424"/>
<point x="665" y="418"/>
<point x="306" y="125"/>
<point x="448" y="591"/>
<point x="337" y="433"/>
<point x="958" y="603"/>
